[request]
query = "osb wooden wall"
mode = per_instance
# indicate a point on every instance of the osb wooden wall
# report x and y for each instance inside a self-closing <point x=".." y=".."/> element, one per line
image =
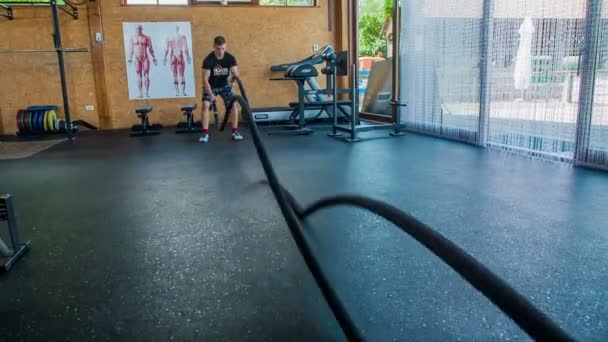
<point x="33" y="78"/>
<point x="258" y="36"/>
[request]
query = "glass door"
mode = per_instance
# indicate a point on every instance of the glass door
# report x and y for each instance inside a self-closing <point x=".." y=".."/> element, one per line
<point x="375" y="52"/>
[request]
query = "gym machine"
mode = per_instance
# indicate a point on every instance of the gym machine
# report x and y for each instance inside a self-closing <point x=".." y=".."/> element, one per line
<point x="285" y="114"/>
<point x="315" y="99"/>
<point x="336" y="66"/>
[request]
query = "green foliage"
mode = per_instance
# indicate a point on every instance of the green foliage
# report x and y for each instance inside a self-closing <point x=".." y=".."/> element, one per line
<point x="272" y="2"/>
<point x="388" y="9"/>
<point x="286" y="2"/>
<point x="370" y="40"/>
<point x="300" y="2"/>
<point x="372" y="15"/>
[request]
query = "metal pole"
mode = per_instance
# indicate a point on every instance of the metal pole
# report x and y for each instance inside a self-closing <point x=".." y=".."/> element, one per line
<point x="587" y="86"/>
<point x="487" y="32"/>
<point x="58" y="46"/>
<point x="334" y="100"/>
<point x="355" y="111"/>
<point x="301" y="110"/>
<point x="395" y="77"/>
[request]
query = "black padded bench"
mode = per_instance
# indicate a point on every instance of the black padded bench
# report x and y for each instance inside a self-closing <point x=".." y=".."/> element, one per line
<point x="189" y="126"/>
<point x="144" y="128"/>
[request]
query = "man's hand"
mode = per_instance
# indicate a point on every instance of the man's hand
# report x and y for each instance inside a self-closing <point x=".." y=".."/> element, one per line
<point x="212" y="98"/>
<point x="154" y="60"/>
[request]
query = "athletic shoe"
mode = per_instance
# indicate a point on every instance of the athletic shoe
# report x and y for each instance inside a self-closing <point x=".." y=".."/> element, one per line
<point x="204" y="138"/>
<point x="236" y="136"/>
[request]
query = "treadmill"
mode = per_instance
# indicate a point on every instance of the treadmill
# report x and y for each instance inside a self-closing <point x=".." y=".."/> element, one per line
<point x="282" y="114"/>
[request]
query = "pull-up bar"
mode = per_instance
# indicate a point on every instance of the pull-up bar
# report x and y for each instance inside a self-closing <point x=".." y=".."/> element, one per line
<point x="65" y="50"/>
<point x="73" y="11"/>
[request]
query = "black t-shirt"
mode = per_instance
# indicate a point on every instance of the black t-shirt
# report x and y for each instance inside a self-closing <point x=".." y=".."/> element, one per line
<point x="220" y="69"/>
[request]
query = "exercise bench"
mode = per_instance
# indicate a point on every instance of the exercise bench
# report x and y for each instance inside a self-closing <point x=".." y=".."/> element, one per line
<point x="144" y="128"/>
<point x="189" y="126"/>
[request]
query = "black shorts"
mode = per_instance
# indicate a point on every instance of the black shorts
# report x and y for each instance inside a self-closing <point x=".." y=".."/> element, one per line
<point x="225" y="92"/>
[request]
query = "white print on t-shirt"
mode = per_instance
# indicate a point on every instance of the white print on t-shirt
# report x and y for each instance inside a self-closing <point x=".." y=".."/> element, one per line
<point x="219" y="71"/>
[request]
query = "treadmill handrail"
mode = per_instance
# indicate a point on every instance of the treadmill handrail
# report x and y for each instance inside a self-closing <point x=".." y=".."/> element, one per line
<point x="316" y="58"/>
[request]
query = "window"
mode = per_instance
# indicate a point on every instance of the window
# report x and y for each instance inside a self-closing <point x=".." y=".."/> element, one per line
<point x="156" y="2"/>
<point x="30" y="2"/>
<point x="287" y="2"/>
<point x="219" y="1"/>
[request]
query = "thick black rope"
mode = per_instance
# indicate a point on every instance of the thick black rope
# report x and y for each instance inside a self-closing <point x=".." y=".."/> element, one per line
<point x="519" y="309"/>
<point x="514" y="305"/>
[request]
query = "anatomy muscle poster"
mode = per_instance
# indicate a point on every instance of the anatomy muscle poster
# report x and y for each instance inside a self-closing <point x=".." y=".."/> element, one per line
<point x="159" y="60"/>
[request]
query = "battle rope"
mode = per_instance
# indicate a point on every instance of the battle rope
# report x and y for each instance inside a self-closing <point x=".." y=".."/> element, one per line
<point x="531" y="320"/>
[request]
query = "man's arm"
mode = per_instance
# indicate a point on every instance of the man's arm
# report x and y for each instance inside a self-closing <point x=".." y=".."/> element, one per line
<point x="234" y="69"/>
<point x="206" y="85"/>
<point x="234" y="73"/>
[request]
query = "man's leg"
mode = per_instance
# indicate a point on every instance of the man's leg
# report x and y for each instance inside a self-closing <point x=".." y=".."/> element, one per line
<point x="146" y="72"/>
<point x="205" y="118"/>
<point x="234" y="115"/>
<point x="174" y="68"/>
<point x="227" y="96"/>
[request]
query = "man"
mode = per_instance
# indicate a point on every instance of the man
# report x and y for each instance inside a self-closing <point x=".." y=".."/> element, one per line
<point x="140" y="44"/>
<point x="217" y="66"/>
<point x="178" y="46"/>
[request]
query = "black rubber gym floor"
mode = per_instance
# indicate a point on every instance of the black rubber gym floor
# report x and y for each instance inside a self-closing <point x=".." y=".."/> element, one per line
<point x="161" y="238"/>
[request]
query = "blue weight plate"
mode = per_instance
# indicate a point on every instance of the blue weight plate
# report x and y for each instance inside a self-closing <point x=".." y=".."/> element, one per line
<point x="34" y="121"/>
<point x="41" y="121"/>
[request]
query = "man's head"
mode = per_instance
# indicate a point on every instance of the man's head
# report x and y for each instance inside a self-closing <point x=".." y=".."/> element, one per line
<point x="219" y="46"/>
<point x="139" y="29"/>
